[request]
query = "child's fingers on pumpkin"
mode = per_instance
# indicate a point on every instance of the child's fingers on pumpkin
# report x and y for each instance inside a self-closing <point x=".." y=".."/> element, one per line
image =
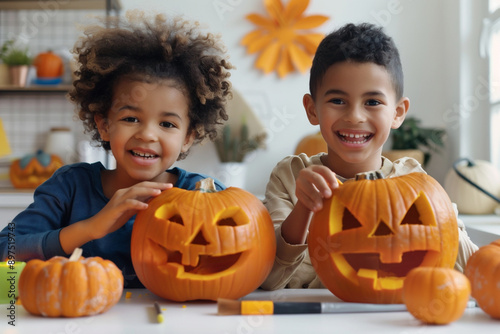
<point x="328" y="175"/>
<point x="155" y="185"/>
<point x="320" y="185"/>
<point x="309" y="194"/>
<point x="145" y="190"/>
<point x="135" y="204"/>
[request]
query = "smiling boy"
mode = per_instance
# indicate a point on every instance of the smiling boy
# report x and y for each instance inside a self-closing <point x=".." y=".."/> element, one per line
<point x="356" y="97"/>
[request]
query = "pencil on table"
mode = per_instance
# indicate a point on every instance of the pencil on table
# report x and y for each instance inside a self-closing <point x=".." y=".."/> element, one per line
<point x="159" y="314"/>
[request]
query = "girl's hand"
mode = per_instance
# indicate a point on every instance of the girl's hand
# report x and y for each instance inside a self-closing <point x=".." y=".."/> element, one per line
<point x="124" y="204"/>
<point x="313" y="185"/>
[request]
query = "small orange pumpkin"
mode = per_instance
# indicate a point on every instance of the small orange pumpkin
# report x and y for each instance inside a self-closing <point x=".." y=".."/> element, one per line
<point x="74" y="287"/>
<point x="436" y="295"/>
<point x="33" y="169"/>
<point x="312" y="144"/>
<point x="483" y="271"/>
<point x="203" y="244"/>
<point x="373" y="231"/>
<point x="48" y="65"/>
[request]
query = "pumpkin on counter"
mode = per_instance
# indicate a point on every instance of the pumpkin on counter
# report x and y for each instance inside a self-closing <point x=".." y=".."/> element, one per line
<point x="203" y="244"/>
<point x="74" y="287"/>
<point x="483" y="271"/>
<point x="48" y="65"/>
<point x="312" y="144"/>
<point x="33" y="169"/>
<point x="372" y="231"/>
<point x="436" y="295"/>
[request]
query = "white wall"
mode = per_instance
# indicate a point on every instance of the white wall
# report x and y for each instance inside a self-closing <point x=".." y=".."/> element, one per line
<point x="426" y="32"/>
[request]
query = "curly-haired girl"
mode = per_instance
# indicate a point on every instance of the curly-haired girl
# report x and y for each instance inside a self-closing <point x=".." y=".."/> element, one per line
<point x="147" y="89"/>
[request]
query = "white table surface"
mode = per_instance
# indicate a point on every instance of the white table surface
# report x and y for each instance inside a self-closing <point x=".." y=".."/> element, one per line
<point x="136" y="315"/>
<point x="482" y="229"/>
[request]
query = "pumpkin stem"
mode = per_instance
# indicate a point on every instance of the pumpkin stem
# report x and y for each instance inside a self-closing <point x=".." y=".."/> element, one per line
<point x="76" y="254"/>
<point x="206" y="185"/>
<point x="373" y="175"/>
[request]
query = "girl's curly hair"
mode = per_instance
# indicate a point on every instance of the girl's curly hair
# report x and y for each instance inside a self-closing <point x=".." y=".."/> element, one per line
<point x="152" y="49"/>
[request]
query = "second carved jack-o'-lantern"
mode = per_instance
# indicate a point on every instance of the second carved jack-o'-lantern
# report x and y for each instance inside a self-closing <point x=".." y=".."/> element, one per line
<point x="203" y="244"/>
<point x="373" y="231"/>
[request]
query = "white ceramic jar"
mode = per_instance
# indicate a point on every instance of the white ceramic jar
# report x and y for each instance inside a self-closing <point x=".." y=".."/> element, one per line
<point x="61" y="142"/>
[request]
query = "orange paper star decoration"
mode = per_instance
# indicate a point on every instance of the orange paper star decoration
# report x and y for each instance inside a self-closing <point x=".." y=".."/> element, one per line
<point x="284" y="40"/>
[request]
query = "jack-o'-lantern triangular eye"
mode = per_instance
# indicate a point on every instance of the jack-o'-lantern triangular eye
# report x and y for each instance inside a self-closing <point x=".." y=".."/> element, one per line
<point x="382" y="230"/>
<point x="226" y="222"/>
<point x="420" y="213"/>
<point x="169" y="212"/>
<point x="232" y="216"/>
<point x="199" y="239"/>
<point x="349" y="221"/>
<point x="176" y="219"/>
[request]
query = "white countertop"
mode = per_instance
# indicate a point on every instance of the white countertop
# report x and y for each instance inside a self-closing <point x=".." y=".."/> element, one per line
<point x="136" y="315"/>
<point x="15" y="198"/>
<point x="482" y="229"/>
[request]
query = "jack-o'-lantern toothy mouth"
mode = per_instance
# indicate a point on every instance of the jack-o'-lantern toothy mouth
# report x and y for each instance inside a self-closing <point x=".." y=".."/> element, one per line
<point x="207" y="264"/>
<point x="367" y="269"/>
<point x="371" y="261"/>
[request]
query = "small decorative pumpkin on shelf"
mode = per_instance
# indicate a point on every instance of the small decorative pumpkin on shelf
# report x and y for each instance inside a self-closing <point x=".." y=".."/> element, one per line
<point x="48" y="65"/>
<point x="33" y="169"/>
<point x="312" y="144"/>
<point x="483" y="271"/>
<point x="74" y="287"/>
<point x="436" y="295"/>
<point x="373" y="231"/>
<point x="203" y="244"/>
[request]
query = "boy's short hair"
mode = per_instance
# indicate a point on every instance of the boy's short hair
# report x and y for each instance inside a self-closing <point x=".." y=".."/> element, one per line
<point x="153" y="49"/>
<point x="358" y="43"/>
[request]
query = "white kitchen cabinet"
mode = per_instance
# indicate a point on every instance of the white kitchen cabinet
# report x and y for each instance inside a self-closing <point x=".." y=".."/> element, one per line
<point x="11" y="203"/>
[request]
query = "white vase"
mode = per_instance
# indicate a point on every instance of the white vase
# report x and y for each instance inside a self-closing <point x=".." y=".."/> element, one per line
<point x="60" y="141"/>
<point x="232" y="174"/>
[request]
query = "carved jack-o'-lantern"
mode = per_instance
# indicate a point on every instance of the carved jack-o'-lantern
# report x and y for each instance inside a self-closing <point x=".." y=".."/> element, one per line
<point x="203" y="244"/>
<point x="373" y="231"/>
<point x="33" y="169"/>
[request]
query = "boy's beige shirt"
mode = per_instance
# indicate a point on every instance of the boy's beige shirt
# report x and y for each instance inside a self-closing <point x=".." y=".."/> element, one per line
<point x="292" y="266"/>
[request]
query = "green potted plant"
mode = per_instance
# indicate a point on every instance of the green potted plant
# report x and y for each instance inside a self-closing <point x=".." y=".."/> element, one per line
<point x="17" y="60"/>
<point x="234" y="144"/>
<point x="12" y="55"/>
<point x="413" y="140"/>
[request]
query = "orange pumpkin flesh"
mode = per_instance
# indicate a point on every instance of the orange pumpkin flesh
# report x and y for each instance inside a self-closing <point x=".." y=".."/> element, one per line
<point x="483" y="271"/>
<point x="371" y="233"/>
<point x="436" y="295"/>
<point x="62" y="287"/>
<point x="191" y="245"/>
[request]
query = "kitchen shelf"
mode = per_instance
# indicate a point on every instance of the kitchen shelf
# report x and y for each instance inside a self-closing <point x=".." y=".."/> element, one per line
<point x="108" y="5"/>
<point x="35" y="89"/>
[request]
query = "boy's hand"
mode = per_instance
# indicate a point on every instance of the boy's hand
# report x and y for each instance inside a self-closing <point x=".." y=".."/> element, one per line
<point x="124" y="204"/>
<point x="313" y="185"/>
